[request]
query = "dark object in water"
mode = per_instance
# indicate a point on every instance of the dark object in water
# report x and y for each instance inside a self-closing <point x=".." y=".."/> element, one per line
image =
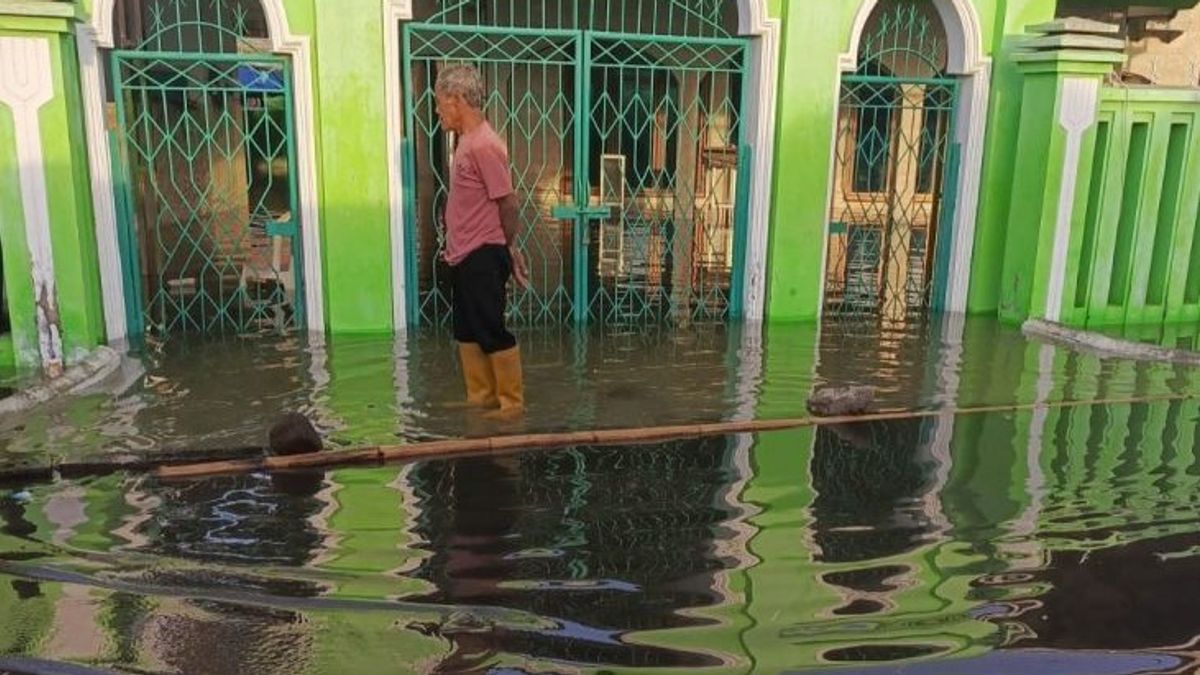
<point x="838" y="401"/>
<point x="294" y="434"/>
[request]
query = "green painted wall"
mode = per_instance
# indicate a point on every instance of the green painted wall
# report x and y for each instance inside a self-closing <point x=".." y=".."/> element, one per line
<point x="807" y="81"/>
<point x="1037" y="173"/>
<point x="301" y="15"/>
<point x="76" y="267"/>
<point x="1004" y="113"/>
<point x="15" y="249"/>
<point x="70" y="209"/>
<point x="352" y="128"/>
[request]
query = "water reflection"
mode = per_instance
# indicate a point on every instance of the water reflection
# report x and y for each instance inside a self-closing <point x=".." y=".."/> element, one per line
<point x="606" y="542"/>
<point x="198" y="397"/>
<point x="865" y="476"/>
<point x="238" y="520"/>
<point x="1030" y="541"/>
<point x="790" y="551"/>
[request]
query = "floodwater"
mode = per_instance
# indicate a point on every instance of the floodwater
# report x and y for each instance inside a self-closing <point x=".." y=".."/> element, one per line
<point x="203" y="397"/>
<point x="1061" y="540"/>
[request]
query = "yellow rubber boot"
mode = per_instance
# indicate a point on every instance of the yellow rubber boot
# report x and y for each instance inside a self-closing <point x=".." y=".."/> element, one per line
<point x="477" y="373"/>
<point x="510" y="385"/>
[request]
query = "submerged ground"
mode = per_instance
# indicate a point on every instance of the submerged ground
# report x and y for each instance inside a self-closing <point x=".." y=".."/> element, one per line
<point x="1050" y="540"/>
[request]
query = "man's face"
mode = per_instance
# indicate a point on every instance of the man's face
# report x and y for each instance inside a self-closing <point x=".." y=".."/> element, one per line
<point x="449" y="111"/>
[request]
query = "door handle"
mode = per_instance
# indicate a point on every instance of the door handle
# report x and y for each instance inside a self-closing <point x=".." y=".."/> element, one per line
<point x="285" y="228"/>
<point x="596" y="212"/>
<point x="569" y="212"/>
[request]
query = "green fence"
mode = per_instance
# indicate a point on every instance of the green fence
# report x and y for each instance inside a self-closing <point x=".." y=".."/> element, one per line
<point x="1138" y="259"/>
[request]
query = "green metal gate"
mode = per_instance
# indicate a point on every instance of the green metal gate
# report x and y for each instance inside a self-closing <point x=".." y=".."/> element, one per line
<point x="210" y="228"/>
<point x="893" y="198"/>
<point x="623" y="120"/>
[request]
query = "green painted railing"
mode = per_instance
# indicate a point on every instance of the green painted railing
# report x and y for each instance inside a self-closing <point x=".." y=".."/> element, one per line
<point x="60" y="9"/>
<point x="1138" y="259"/>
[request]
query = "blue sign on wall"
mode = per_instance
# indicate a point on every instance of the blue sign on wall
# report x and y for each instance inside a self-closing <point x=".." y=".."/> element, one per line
<point x="255" y="79"/>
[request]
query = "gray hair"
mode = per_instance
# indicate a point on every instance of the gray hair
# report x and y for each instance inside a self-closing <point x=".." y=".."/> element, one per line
<point x="461" y="80"/>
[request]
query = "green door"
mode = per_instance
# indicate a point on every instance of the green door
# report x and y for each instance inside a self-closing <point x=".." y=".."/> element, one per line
<point x="627" y="152"/>
<point x="209" y="233"/>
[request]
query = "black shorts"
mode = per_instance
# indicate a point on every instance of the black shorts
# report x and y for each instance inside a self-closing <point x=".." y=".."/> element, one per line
<point x="480" y="295"/>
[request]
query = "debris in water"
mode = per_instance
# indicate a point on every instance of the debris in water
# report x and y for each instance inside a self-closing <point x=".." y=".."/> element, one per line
<point x="294" y="434"/>
<point x="838" y="401"/>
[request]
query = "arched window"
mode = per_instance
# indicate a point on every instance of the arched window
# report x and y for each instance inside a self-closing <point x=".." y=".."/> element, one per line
<point x="903" y="41"/>
<point x="213" y="26"/>
<point x="691" y="18"/>
<point x="893" y="146"/>
<point x="211" y="227"/>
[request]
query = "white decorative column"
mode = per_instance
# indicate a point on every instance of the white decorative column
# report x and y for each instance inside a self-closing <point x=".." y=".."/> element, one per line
<point x="26" y="84"/>
<point x="765" y="50"/>
<point x="1077" y="112"/>
<point x="395" y="11"/>
<point x="971" y="135"/>
<point x="108" y="247"/>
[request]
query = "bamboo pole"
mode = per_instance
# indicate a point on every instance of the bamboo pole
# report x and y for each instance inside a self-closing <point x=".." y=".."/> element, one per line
<point x="521" y="443"/>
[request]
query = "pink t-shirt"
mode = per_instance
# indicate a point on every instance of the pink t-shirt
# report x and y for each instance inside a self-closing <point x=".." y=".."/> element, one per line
<point x="479" y="179"/>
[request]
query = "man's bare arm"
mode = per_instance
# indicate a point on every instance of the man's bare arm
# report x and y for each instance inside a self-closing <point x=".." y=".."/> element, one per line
<point x="510" y="218"/>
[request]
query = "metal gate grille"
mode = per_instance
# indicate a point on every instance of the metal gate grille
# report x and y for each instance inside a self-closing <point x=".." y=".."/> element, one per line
<point x="691" y="18"/>
<point x="531" y="104"/>
<point x="669" y="109"/>
<point x="894" y="153"/>
<point x="206" y="141"/>
<point x="625" y="153"/>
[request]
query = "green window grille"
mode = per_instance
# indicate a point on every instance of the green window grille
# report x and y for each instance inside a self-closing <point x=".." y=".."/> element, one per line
<point x="190" y="26"/>
<point x="692" y="18"/>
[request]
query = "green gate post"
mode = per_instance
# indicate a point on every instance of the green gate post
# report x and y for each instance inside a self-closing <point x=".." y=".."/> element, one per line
<point x="808" y="82"/>
<point x="1006" y="38"/>
<point x="1063" y="72"/>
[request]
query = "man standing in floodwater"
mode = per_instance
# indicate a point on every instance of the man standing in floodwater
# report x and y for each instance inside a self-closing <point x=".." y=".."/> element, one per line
<point x="482" y="226"/>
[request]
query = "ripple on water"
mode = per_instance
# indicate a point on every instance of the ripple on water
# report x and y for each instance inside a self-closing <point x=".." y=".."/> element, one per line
<point x="1049" y="542"/>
